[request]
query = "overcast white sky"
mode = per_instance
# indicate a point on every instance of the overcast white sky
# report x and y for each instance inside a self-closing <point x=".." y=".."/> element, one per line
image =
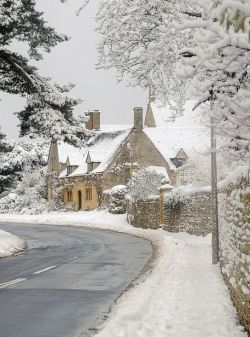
<point x="74" y="61"/>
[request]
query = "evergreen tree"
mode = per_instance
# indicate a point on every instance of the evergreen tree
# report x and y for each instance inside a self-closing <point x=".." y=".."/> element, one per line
<point x="4" y="145"/>
<point x="48" y="111"/>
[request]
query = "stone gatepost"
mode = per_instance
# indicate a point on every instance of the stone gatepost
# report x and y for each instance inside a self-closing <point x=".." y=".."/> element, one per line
<point x="167" y="188"/>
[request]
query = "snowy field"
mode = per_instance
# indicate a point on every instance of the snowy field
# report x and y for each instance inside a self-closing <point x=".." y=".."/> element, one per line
<point x="10" y="244"/>
<point x="183" y="296"/>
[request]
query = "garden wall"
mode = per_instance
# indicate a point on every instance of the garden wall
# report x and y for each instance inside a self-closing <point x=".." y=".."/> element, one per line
<point x="234" y="226"/>
<point x="191" y="213"/>
<point x="144" y="214"/>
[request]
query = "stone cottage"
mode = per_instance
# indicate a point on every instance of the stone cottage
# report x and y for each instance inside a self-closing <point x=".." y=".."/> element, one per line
<point x="114" y="153"/>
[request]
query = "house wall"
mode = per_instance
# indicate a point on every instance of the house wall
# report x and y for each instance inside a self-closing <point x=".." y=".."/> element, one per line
<point x="80" y="201"/>
<point x="186" y="175"/>
<point x="142" y="151"/>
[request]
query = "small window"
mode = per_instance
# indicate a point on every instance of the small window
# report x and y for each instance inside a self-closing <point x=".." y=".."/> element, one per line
<point x="70" y="196"/>
<point x="88" y="194"/>
<point x="90" y="167"/>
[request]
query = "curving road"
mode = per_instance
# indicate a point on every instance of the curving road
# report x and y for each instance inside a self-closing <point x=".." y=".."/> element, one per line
<point x="70" y="276"/>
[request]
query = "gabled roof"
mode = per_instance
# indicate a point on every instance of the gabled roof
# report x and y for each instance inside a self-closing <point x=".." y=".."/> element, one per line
<point x="74" y="154"/>
<point x="186" y="133"/>
<point x="99" y="149"/>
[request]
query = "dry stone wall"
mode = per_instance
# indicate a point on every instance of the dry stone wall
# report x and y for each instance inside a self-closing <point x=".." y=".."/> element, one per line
<point x="144" y="214"/>
<point x="191" y="215"/>
<point x="234" y="221"/>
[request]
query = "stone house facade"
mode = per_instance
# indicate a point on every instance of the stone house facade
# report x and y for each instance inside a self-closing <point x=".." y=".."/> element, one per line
<point x="110" y="158"/>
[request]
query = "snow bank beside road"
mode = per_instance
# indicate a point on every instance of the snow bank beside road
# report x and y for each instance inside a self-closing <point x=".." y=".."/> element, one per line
<point x="10" y="244"/>
<point x="184" y="296"/>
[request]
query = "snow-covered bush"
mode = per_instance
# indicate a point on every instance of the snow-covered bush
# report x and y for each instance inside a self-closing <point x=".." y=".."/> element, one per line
<point x="117" y="201"/>
<point x="23" y="154"/>
<point x="29" y="196"/>
<point x="146" y="182"/>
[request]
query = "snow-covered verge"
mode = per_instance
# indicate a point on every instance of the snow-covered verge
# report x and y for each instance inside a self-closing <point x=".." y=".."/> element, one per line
<point x="10" y="244"/>
<point x="234" y="211"/>
<point x="184" y="295"/>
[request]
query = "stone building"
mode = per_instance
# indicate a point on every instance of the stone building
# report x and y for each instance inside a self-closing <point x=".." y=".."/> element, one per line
<point x="113" y="154"/>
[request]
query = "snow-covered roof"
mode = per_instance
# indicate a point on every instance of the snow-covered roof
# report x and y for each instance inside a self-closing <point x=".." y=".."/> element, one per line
<point x="110" y="128"/>
<point x="185" y="132"/>
<point x="100" y="149"/>
<point x="97" y="156"/>
<point x="74" y="154"/>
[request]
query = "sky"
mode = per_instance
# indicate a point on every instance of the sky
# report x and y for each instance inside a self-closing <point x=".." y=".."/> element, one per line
<point x="74" y="61"/>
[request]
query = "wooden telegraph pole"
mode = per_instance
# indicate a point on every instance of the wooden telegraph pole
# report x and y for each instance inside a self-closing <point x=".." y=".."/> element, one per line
<point x="214" y="192"/>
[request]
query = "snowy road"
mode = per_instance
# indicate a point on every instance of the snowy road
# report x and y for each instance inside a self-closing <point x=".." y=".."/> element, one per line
<point x="61" y="286"/>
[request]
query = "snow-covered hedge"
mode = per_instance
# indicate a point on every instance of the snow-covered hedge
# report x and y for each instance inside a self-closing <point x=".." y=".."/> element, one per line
<point x="116" y="199"/>
<point x="29" y="196"/>
<point x="234" y="211"/>
<point x="146" y="182"/>
<point x="24" y="153"/>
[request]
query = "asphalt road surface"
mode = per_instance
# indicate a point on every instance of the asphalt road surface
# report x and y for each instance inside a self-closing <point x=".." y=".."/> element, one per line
<point x="70" y="276"/>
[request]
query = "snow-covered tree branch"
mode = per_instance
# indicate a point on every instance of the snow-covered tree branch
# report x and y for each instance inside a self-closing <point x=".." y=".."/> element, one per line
<point x="183" y="49"/>
<point x="49" y="111"/>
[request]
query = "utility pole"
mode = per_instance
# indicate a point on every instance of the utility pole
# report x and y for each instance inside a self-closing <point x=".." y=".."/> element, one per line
<point x="214" y="192"/>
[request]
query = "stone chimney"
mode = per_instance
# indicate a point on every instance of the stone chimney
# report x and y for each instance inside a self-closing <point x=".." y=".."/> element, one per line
<point x="138" y="119"/>
<point x="93" y="122"/>
<point x="149" y="119"/>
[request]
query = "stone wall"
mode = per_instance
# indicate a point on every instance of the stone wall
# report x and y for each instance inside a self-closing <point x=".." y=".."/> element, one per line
<point x="191" y="215"/>
<point x="144" y="214"/>
<point x="234" y="226"/>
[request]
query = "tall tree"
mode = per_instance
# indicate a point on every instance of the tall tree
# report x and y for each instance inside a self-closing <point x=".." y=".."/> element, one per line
<point x="180" y="48"/>
<point x="48" y="111"/>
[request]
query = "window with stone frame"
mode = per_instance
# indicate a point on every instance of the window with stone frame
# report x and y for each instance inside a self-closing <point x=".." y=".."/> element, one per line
<point x="88" y="194"/>
<point x="69" y="196"/>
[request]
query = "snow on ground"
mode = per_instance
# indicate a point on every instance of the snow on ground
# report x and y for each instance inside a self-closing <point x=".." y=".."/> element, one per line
<point x="10" y="244"/>
<point x="183" y="296"/>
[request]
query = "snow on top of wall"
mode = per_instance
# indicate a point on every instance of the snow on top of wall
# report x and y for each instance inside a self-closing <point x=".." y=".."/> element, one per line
<point x="181" y="193"/>
<point x="236" y="176"/>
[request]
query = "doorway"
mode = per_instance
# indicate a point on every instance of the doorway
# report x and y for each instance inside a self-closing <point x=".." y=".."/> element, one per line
<point x="79" y="200"/>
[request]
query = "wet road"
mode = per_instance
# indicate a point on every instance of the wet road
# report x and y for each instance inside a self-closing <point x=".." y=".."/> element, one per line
<point x="69" y="277"/>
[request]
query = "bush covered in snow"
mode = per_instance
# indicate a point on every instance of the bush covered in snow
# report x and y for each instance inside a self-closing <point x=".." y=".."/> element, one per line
<point x="146" y="182"/>
<point x="117" y="201"/>
<point x="23" y="153"/>
<point x="29" y="195"/>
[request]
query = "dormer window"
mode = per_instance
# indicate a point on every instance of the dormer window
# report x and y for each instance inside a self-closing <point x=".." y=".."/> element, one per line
<point x="90" y="167"/>
<point x="71" y="169"/>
